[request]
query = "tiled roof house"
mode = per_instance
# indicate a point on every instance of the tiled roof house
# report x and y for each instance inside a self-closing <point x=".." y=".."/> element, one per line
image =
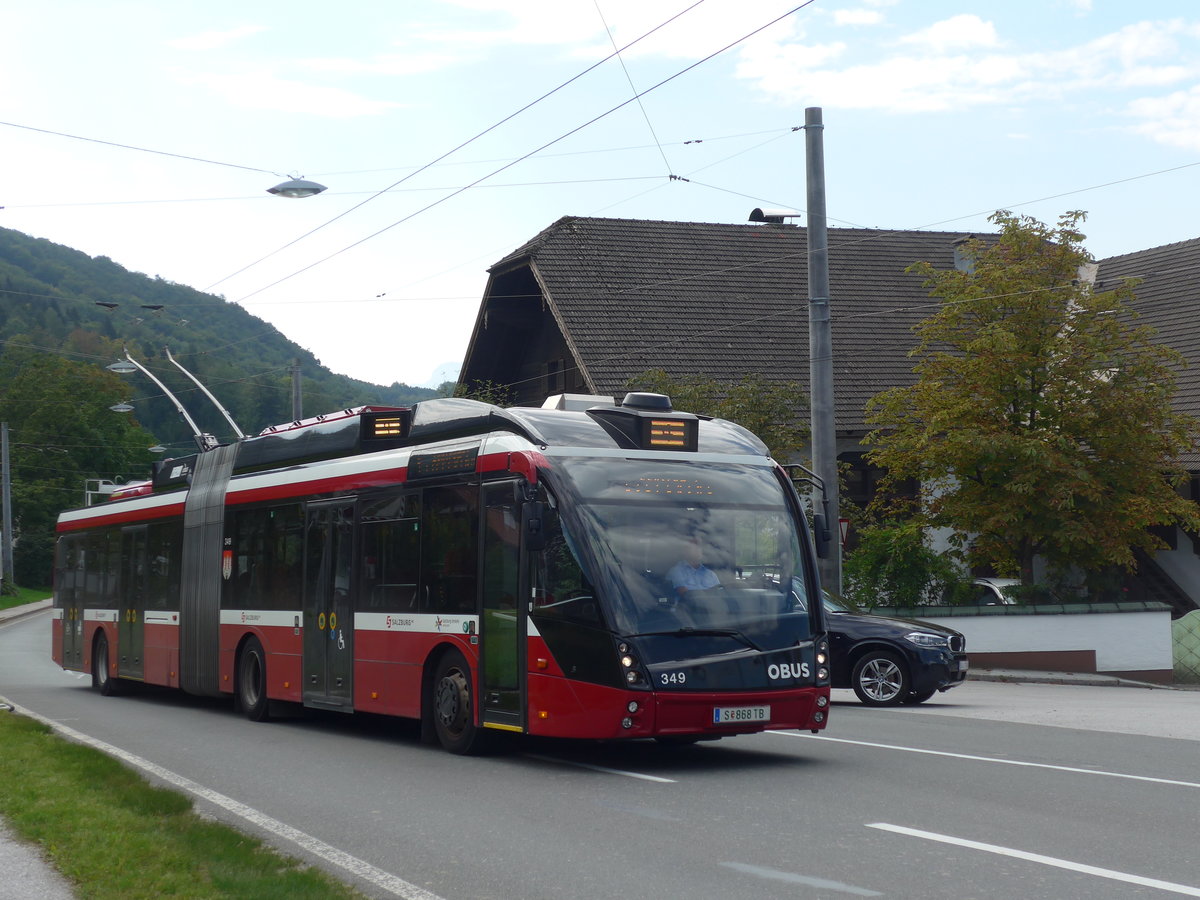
<point x="591" y="302"/>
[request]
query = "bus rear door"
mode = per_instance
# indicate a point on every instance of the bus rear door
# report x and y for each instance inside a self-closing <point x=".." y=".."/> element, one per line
<point x="328" y="606"/>
<point x="68" y="595"/>
<point x="131" y="629"/>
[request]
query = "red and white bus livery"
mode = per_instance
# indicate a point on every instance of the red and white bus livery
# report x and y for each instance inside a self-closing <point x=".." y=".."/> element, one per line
<point x="618" y="571"/>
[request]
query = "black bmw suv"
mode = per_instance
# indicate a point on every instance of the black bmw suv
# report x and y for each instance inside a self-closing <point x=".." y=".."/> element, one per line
<point x="892" y="661"/>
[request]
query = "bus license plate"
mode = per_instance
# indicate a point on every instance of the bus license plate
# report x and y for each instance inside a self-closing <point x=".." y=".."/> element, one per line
<point x="731" y="715"/>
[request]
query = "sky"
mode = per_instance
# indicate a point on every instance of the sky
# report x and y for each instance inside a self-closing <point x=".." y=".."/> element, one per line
<point x="450" y="132"/>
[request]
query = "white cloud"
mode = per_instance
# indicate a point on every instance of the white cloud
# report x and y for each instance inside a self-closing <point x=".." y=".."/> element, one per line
<point x="940" y="68"/>
<point x="577" y="29"/>
<point x="956" y="33"/>
<point x="397" y="64"/>
<point x="262" y="90"/>
<point x="1173" y="120"/>
<point x="857" y="17"/>
<point x="213" y="40"/>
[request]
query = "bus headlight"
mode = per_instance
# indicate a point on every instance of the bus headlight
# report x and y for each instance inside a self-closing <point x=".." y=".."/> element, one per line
<point x="635" y="676"/>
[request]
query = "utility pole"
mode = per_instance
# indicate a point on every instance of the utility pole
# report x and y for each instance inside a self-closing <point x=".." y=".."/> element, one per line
<point x="6" y="550"/>
<point x="820" y="345"/>
<point x="297" y="399"/>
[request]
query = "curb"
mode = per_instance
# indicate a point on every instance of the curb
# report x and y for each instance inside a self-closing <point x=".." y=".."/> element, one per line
<point x="1089" y="679"/>
<point x="15" y="613"/>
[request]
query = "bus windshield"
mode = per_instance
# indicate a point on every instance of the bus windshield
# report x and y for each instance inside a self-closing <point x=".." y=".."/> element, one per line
<point x="687" y="548"/>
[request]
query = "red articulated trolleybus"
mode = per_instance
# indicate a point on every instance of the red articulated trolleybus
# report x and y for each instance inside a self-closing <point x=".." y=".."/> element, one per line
<point x="611" y="572"/>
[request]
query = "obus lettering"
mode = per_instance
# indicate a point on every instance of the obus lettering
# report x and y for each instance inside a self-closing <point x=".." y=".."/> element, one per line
<point x="775" y="671"/>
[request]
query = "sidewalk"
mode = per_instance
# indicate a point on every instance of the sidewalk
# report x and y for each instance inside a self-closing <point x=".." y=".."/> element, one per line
<point x="27" y="875"/>
<point x="1023" y="676"/>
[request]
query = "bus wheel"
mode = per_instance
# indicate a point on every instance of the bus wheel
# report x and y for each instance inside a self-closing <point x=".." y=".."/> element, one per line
<point x="102" y="680"/>
<point x="252" y="681"/>
<point x="453" y="708"/>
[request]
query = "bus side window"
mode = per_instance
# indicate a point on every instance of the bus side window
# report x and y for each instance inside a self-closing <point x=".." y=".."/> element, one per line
<point x="451" y="549"/>
<point x="164" y="548"/>
<point x="390" y="560"/>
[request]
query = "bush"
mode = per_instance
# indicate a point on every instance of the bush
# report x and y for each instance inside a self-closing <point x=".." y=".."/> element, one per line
<point x="894" y="565"/>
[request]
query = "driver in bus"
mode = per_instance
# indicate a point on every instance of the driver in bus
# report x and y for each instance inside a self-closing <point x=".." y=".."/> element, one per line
<point x="690" y="573"/>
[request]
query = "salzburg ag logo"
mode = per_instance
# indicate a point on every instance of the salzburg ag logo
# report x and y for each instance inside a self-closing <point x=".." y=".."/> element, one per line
<point x="439" y="623"/>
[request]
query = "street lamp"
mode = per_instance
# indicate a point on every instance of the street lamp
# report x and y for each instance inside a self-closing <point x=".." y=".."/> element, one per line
<point x="122" y="407"/>
<point x="296" y="187"/>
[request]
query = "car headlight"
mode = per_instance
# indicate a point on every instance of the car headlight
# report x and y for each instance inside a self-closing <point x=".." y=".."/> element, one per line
<point x="927" y="639"/>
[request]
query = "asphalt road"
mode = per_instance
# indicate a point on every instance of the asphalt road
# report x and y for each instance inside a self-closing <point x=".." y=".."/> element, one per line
<point x="990" y="791"/>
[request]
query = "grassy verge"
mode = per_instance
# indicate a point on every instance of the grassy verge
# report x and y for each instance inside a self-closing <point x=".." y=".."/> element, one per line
<point x="23" y="596"/>
<point x="112" y="834"/>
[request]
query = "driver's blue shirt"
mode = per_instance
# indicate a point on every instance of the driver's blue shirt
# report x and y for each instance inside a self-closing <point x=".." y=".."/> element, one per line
<point x="692" y="578"/>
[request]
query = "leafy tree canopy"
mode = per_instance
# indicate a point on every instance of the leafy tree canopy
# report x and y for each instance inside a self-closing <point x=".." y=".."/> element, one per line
<point x="61" y="433"/>
<point x="1040" y="422"/>
<point x="770" y="409"/>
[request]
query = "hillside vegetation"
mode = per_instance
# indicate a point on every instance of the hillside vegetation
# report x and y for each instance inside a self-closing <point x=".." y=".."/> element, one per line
<point x="50" y="298"/>
<point x="65" y="316"/>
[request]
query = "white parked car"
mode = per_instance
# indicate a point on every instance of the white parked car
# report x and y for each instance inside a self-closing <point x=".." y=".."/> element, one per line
<point x="993" y="591"/>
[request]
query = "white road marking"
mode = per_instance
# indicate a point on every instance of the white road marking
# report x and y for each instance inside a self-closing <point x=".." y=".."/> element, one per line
<point x="996" y="759"/>
<point x="793" y="878"/>
<point x="606" y="771"/>
<point x="355" y="866"/>
<point x="1083" y="868"/>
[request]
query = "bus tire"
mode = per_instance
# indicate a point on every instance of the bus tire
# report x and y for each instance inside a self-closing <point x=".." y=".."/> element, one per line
<point x="252" y="681"/>
<point x="103" y="680"/>
<point x="453" y="707"/>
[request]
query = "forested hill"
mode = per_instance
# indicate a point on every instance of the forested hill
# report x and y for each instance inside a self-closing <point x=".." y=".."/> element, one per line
<point x="59" y="301"/>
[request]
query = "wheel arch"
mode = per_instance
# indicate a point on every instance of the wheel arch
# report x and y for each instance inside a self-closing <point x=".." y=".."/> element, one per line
<point x="243" y="640"/>
<point x="432" y="659"/>
<point x="861" y="649"/>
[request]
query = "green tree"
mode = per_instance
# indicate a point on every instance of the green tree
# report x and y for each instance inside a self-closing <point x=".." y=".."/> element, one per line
<point x="61" y="433"/>
<point x="483" y="391"/>
<point x="894" y="565"/>
<point x="772" y="410"/>
<point x="1040" y="422"/>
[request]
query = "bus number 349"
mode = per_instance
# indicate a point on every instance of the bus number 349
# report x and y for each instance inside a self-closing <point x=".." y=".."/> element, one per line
<point x="673" y="677"/>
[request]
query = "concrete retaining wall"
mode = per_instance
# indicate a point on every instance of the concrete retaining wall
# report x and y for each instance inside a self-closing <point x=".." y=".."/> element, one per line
<point x="1131" y="640"/>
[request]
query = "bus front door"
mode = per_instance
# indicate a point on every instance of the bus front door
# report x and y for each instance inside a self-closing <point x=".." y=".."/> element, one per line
<point x="328" y="606"/>
<point x="502" y="624"/>
<point x="131" y="634"/>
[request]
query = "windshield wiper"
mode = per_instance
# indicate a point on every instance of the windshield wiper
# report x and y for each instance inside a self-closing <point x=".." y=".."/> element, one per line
<point x="688" y="631"/>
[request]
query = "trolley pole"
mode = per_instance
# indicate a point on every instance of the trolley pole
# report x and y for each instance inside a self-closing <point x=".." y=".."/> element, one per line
<point x="297" y="398"/>
<point x="820" y="345"/>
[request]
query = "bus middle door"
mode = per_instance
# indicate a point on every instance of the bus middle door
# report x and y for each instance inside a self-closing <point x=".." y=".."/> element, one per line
<point x="131" y="629"/>
<point x="328" y="606"/>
